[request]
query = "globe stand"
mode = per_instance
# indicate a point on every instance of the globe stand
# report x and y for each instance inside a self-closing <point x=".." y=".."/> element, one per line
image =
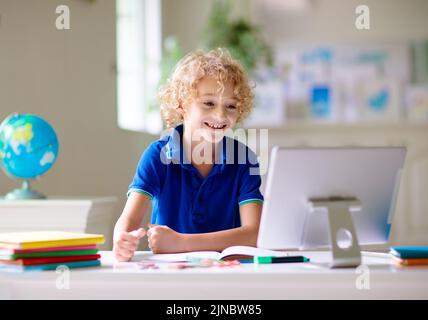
<point x="24" y="193"/>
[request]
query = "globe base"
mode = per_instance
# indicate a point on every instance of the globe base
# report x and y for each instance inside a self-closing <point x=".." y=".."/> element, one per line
<point x="19" y="194"/>
<point x="24" y="193"/>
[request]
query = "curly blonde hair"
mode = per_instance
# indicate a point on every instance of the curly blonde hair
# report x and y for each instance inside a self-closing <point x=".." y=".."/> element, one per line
<point x="181" y="86"/>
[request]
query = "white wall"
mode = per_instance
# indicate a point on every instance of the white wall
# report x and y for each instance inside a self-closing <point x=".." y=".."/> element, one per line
<point x="68" y="77"/>
<point x="334" y="21"/>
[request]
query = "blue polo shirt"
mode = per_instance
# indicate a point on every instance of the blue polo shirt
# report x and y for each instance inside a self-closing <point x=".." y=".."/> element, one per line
<point x="185" y="201"/>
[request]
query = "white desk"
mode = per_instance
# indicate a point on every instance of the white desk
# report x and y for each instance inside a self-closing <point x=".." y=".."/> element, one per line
<point x="276" y="281"/>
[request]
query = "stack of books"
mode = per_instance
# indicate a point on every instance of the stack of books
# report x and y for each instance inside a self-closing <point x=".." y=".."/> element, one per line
<point x="409" y="256"/>
<point x="47" y="250"/>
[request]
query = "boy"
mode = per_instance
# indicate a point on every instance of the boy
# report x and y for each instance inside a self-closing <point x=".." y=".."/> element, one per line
<point x="204" y="197"/>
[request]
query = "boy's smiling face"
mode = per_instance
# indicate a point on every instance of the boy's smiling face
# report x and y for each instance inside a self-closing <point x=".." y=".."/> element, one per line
<point x="213" y="111"/>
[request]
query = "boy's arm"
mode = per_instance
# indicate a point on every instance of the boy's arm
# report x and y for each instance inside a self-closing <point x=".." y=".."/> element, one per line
<point x="162" y="239"/>
<point x="133" y="213"/>
<point x="127" y="231"/>
<point x="217" y="241"/>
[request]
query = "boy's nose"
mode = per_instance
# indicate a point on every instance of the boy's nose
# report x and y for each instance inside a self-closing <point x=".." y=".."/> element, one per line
<point x="220" y="114"/>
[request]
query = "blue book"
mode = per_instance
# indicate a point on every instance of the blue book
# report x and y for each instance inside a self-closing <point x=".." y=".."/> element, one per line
<point x="410" y="252"/>
<point x="51" y="266"/>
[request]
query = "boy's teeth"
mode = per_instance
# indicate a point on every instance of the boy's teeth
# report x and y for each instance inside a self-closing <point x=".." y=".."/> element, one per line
<point x="214" y="126"/>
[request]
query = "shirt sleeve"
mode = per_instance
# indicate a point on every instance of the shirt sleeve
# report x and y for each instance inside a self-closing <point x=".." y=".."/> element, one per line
<point x="249" y="190"/>
<point x="149" y="172"/>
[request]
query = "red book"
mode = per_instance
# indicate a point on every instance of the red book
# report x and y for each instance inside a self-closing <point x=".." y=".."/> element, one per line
<point x="49" y="260"/>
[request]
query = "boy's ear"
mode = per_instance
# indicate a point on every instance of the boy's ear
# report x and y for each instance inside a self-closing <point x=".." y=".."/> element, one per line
<point x="180" y="108"/>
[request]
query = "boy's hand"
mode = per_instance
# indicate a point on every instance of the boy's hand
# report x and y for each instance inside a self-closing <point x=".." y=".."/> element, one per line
<point x="125" y="243"/>
<point x="163" y="239"/>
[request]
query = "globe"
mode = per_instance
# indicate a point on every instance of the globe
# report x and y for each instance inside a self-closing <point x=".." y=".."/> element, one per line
<point x="28" y="149"/>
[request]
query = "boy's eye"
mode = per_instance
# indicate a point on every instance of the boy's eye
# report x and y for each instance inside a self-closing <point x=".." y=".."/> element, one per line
<point x="231" y="107"/>
<point x="209" y="103"/>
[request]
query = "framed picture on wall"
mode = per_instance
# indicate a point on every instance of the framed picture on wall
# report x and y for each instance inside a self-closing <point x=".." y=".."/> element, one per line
<point x="269" y="105"/>
<point x="380" y="100"/>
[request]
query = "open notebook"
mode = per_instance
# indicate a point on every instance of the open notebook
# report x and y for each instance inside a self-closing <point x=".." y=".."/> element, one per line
<point x="235" y="252"/>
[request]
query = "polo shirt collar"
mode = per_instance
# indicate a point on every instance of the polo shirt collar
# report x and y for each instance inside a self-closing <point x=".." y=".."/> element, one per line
<point x="174" y="149"/>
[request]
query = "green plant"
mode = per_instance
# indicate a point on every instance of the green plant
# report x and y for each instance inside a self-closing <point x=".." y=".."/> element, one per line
<point x="241" y="37"/>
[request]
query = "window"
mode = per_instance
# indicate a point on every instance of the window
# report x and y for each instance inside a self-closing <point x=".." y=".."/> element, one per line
<point x="138" y="34"/>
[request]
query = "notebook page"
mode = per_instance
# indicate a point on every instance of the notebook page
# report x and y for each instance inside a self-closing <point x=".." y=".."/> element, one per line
<point x="185" y="256"/>
<point x="251" y="251"/>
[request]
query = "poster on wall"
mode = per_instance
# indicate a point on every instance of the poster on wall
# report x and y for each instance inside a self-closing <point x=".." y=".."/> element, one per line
<point x="345" y="83"/>
<point x="380" y="100"/>
<point x="268" y="106"/>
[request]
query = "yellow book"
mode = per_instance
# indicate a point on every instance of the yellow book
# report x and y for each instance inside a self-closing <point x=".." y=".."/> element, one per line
<point x="47" y="239"/>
